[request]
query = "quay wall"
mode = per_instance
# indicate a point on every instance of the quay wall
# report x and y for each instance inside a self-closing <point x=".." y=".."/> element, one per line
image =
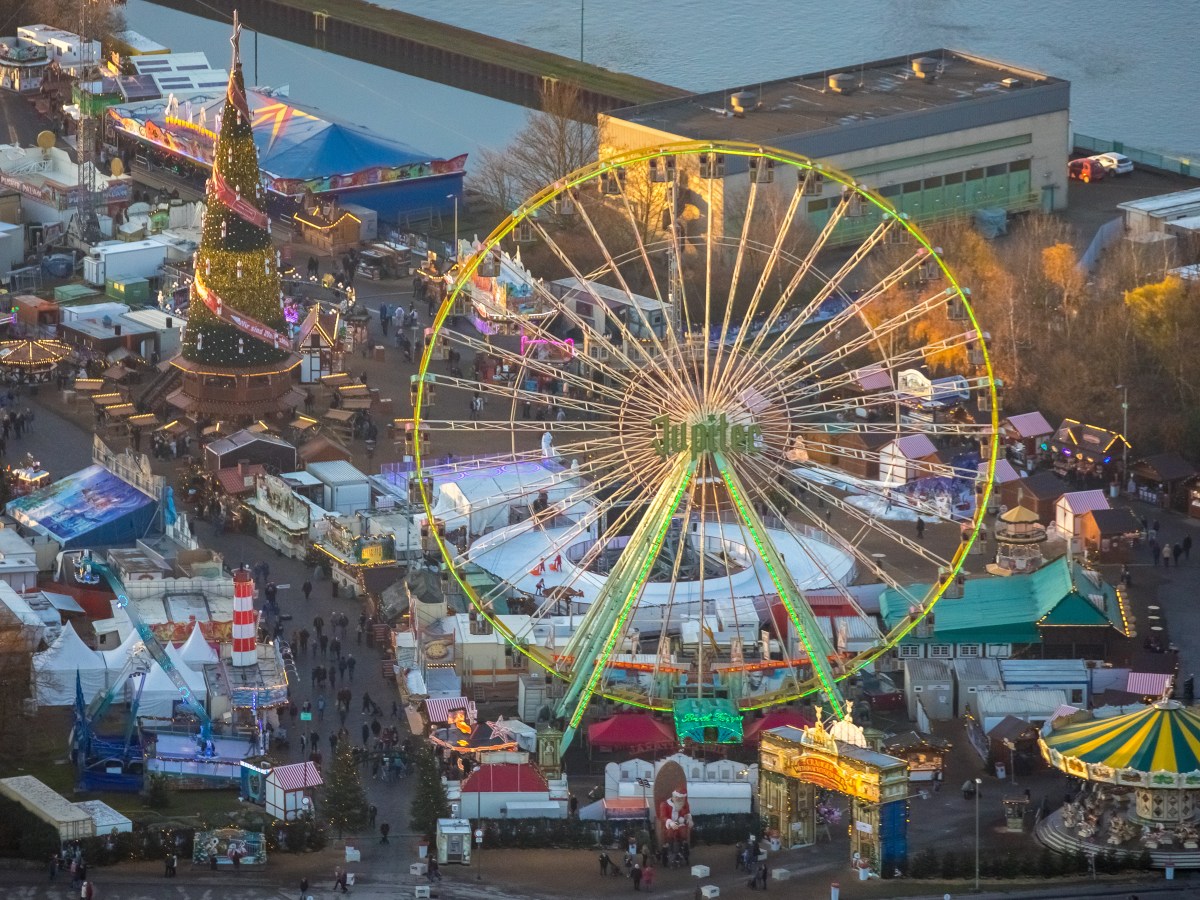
<point x="432" y="50"/>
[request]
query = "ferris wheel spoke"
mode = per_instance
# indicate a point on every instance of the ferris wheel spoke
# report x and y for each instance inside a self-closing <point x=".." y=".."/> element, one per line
<point x="867" y="562"/>
<point x="615" y="269"/>
<point x="854" y="513"/>
<point x="891" y="364"/>
<point x="605" y="620"/>
<point x="520" y="395"/>
<point x="900" y="429"/>
<point x="638" y="478"/>
<point x="925" y="468"/>
<point x="870" y="336"/>
<point x="853" y="309"/>
<point x="647" y="359"/>
<point x="785" y="524"/>
<point x="532" y="427"/>
<point x="874" y="400"/>
<point x="808" y="632"/>
<point x="777" y="248"/>
<point x="643" y="253"/>
<point x="735" y="277"/>
<point x="534" y="364"/>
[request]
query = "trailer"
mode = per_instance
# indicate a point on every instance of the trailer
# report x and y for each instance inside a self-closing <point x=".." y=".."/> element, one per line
<point x="121" y="261"/>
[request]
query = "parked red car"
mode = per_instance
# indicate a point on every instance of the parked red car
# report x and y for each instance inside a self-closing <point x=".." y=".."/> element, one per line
<point x="1085" y="170"/>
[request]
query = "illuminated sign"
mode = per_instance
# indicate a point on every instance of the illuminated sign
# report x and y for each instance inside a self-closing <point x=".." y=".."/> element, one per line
<point x="821" y="772"/>
<point x="711" y="435"/>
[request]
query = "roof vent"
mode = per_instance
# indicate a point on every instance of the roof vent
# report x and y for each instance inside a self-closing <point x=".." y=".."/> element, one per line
<point x="843" y="83"/>
<point x="925" y="67"/>
<point x="743" y="102"/>
<point x="1010" y="84"/>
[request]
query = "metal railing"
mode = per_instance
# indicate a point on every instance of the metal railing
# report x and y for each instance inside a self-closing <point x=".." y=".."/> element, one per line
<point x="1177" y="165"/>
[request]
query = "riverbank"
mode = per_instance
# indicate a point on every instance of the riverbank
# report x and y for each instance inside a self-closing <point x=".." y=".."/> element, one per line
<point x="433" y="50"/>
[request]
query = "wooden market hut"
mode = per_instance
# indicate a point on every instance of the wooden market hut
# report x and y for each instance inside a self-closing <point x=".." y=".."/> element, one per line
<point x="328" y="228"/>
<point x="1088" y="451"/>
<point x="1039" y="492"/>
<point x="319" y="344"/>
<point x="1013" y="747"/>
<point x="1023" y="434"/>
<point x="924" y="753"/>
<point x="861" y="456"/>
<point x="1109" y="534"/>
<point x="1163" y="479"/>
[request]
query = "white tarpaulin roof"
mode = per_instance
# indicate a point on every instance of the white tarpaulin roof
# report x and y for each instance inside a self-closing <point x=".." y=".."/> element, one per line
<point x="54" y="670"/>
<point x="196" y="651"/>
<point x="117" y="658"/>
<point x="160" y="693"/>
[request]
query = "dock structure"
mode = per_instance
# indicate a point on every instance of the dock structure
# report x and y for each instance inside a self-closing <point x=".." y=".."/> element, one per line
<point x="433" y="50"/>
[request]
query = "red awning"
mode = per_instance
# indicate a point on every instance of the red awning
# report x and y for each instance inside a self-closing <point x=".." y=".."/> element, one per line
<point x="627" y="730"/>
<point x="776" y="718"/>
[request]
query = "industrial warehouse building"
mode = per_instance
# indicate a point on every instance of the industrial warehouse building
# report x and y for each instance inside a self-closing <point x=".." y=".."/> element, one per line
<point x="939" y="134"/>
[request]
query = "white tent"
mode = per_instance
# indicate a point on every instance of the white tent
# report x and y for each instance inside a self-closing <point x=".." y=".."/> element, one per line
<point x="160" y="693"/>
<point x="54" y="670"/>
<point x="196" y="651"/>
<point x="116" y="659"/>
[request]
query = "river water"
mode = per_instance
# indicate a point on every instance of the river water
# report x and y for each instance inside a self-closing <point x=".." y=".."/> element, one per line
<point x="1132" y="65"/>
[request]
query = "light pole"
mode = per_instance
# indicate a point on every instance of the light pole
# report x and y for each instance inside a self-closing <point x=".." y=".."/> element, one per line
<point x="978" y="788"/>
<point x="479" y="851"/>
<point x="1124" y="388"/>
<point x="454" y="197"/>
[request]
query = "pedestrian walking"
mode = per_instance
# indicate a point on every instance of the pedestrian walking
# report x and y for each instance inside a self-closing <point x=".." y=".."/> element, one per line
<point x="351" y="662"/>
<point x="53" y="865"/>
<point x="1166" y="556"/>
<point x="372" y="811"/>
<point x="648" y="876"/>
<point x="383" y="831"/>
<point x="1153" y="544"/>
<point x="303" y="888"/>
<point x="321" y="708"/>
<point x="86" y="891"/>
<point x="920" y="528"/>
<point x="366" y="734"/>
<point x="324" y="640"/>
<point x="307" y="589"/>
<point x="635" y="875"/>
<point x="605" y="862"/>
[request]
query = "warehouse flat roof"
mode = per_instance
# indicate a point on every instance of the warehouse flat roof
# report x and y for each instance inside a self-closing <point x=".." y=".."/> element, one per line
<point x="802" y="104"/>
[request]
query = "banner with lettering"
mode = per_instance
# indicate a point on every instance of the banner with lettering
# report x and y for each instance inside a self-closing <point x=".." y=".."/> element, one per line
<point x="244" y="209"/>
<point x="240" y="321"/>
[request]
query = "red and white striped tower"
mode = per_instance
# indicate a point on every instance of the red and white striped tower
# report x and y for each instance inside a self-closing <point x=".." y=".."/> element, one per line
<point x="245" y="620"/>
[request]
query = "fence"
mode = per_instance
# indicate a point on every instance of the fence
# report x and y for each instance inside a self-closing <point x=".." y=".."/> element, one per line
<point x="1174" y="164"/>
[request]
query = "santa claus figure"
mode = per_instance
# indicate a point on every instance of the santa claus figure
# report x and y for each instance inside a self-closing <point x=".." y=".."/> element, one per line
<point x="676" y="817"/>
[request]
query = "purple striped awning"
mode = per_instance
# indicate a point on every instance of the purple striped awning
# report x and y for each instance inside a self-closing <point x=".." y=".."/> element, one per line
<point x="1151" y="684"/>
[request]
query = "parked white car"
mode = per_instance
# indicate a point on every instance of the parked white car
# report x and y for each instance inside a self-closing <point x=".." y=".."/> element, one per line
<point x="1115" y="163"/>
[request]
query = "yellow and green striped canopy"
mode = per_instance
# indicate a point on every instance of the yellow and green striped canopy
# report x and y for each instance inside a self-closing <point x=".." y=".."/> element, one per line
<point x="1163" y="737"/>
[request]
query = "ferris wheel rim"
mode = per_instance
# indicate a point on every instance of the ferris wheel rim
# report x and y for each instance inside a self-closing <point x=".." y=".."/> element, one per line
<point x="593" y="171"/>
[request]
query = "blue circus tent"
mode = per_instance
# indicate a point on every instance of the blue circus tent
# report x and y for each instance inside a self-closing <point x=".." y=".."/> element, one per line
<point x="300" y="149"/>
<point x="90" y="508"/>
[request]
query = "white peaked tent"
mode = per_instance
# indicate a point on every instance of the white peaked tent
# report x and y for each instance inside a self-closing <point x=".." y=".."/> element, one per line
<point x="117" y="658"/>
<point x="160" y="693"/>
<point x="196" y="651"/>
<point x="54" y="670"/>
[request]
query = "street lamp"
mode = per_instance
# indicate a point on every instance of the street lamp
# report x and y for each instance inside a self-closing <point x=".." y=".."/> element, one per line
<point x="978" y="788"/>
<point x="1124" y="388"/>
<point x="454" y="197"/>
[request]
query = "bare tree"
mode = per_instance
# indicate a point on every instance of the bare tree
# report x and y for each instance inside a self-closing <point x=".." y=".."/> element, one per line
<point x="554" y="142"/>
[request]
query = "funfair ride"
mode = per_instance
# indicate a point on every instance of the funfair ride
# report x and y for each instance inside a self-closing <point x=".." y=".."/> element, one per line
<point x="709" y="439"/>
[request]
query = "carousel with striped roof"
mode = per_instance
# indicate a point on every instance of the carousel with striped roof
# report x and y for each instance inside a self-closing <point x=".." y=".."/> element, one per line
<point x="1141" y="770"/>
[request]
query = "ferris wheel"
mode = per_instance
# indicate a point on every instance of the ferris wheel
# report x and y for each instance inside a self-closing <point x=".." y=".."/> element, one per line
<point x="687" y="412"/>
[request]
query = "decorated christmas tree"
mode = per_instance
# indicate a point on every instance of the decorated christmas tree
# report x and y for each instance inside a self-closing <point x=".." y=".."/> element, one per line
<point x="345" y="804"/>
<point x="234" y="319"/>
<point x="429" y="802"/>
